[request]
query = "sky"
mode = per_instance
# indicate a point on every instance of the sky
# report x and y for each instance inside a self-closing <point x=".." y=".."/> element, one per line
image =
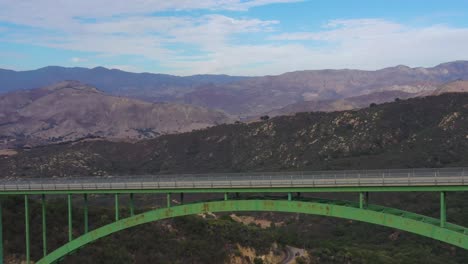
<point x="236" y="37"/>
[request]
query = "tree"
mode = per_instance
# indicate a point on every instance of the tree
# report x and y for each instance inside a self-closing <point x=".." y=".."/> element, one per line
<point x="264" y="118"/>
<point x="258" y="261"/>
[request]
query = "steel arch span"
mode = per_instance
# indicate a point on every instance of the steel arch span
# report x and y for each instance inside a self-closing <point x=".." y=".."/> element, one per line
<point x="389" y="217"/>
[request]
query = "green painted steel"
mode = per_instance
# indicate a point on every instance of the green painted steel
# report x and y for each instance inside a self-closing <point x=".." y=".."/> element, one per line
<point x="289" y="196"/>
<point x="389" y="217"/>
<point x="443" y="209"/>
<point x="132" y="205"/>
<point x="168" y="197"/>
<point x="361" y="200"/>
<point x="225" y="196"/>
<point x="44" y="225"/>
<point x="70" y="224"/>
<point x="85" y="211"/>
<point x="1" y="233"/>
<point x="26" y="221"/>
<point x="116" y="207"/>
<point x="357" y="189"/>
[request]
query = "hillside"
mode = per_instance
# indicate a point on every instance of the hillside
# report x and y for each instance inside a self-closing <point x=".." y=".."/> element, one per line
<point x="349" y="103"/>
<point x="260" y="95"/>
<point x="71" y="110"/>
<point x="418" y="132"/>
<point x="459" y="86"/>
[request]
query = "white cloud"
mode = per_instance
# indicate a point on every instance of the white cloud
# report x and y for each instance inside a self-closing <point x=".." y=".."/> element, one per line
<point x="77" y="60"/>
<point x="151" y="37"/>
<point x="66" y="14"/>
<point x="208" y="43"/>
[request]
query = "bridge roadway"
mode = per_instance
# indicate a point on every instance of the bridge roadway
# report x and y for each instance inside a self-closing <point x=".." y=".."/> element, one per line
<point x="255" y="180"/>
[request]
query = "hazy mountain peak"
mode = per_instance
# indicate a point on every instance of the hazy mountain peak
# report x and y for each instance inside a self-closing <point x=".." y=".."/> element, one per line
<point x="71" y="84"/>
<point x="71" y="110"/>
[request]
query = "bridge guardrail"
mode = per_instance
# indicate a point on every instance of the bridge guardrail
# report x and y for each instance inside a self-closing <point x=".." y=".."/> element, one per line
<point x="393" y="177"/>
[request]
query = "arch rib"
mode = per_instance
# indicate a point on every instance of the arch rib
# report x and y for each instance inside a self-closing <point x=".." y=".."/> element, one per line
<point x="389" y="217"/>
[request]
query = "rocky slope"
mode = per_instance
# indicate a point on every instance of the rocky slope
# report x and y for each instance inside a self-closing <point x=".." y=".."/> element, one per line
<point x="418" y="132"/>
<point x="260" y="95"/>
<point x="459" y="86"/>
<point x="71" y="110"/>
<point x="349" y="103"/>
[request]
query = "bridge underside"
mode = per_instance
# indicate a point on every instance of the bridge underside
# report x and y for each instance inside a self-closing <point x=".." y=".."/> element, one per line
<point x="389" y="217"/>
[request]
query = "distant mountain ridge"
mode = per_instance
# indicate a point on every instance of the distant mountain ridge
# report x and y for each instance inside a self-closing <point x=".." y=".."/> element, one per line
<point x="71" y="110"/>
<point x="147" y="86"/>
<point x="261" y="95"/>
<point x="246" y="96"/>
<point x="103" y="78"/>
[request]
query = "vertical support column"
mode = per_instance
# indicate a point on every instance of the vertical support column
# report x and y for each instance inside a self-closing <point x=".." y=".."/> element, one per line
<point x="44" y="226"/>
<point x="116" y="196"/>
<point x="363" y="199"/>
<point x="181" y="198"/>
<point x="1" y="234"/>
<point x="26" y="221"/>
<point x="443" y="207"/>
<point x="70" y="227"/>
<point x="85" y="210"/>
<point x="289" y="196"/>
<point x="225" y="196"/>
<point x="132" y="205"/>
<point x="168" y="197"/>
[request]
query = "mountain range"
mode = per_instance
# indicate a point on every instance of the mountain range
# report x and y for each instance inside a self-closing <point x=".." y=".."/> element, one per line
<point x="71" y="110"/>
<point x="244" y="96"/>
<point x="361" y="101"/>
<point x="128" y="106"/>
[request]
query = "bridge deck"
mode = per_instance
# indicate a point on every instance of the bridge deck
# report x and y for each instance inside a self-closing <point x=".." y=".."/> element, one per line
<point x="309" y="179"/>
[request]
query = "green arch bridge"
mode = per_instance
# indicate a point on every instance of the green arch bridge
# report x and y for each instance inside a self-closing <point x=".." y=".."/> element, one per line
<point x="361" y="182"/>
